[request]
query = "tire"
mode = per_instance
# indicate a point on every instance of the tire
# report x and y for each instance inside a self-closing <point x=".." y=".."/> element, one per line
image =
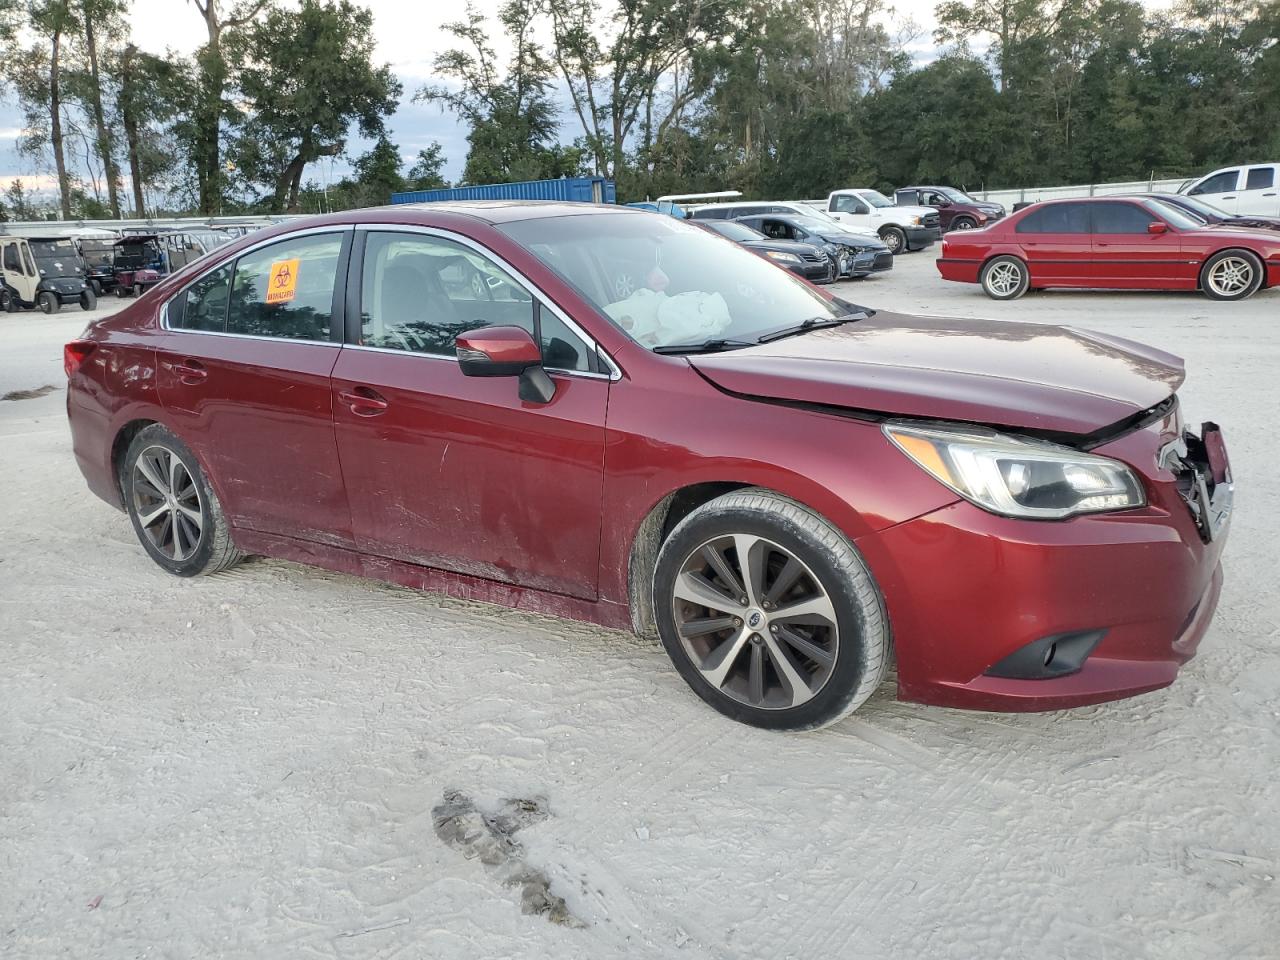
<point x="157" y="455"/>
<point x="836" y="659"/>
<point x="1004" y="278"/>
<point x="48" y="302"/>
<point x="9" y="301"/>
<point x="1231" y="275"/>
<point x="963" y="223"/>
<point x="96" y="287"/>
<point x="895" y="239"/>
<point x="88" y="299"/>
<point x="121" y="292"/>
<point x="138" y="290"/>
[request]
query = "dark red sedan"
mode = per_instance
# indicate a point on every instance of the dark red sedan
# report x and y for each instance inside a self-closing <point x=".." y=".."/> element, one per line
<point x="1112" y="243"/>
<point x="790" y="490"/>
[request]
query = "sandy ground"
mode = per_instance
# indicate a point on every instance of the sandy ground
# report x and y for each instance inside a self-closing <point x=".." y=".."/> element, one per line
<point x="246" y="765"/>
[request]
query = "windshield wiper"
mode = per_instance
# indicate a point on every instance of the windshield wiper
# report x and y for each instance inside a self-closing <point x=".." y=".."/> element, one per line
<point x="702" y="346"/>
<point x="813" y="323"/>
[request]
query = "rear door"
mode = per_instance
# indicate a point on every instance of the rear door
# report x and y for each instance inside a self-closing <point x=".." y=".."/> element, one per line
<point x="243" y="371"/>
<point x="458" y="472"/>
<point x="1222" y="189"/>
<point x="1056" y="244"/>
<point x="1258" y="196"/>
<point x="1127" y="254"/>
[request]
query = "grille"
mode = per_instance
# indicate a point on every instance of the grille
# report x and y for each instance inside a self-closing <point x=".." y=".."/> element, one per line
<point x="932" y="220"/>
<point x="813" y="257"/>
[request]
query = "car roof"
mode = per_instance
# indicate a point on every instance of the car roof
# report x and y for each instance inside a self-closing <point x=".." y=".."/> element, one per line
<point x="505" y="211"/>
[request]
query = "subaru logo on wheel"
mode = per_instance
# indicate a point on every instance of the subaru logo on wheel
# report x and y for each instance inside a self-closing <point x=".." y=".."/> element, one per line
<point x="754" y="619"/>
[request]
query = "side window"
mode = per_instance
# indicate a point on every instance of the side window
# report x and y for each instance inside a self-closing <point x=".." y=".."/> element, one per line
<point x="1057" y="218"/>
<point x="1121" y="218"/>
<point x="1223" y="182"/>
<point x="933" y="200"/>
<point x="418" y="293"/>
<point x="846" y="204"/>
<point x="286" y="290"/>
<point x="28" y="262"/>
<point x="1261" y="178"/>
<point x="203" y="305"/>
<point x="11" y="258"/>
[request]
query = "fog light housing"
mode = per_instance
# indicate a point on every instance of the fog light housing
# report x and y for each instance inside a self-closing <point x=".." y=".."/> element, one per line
<point x="1049" y="657"/>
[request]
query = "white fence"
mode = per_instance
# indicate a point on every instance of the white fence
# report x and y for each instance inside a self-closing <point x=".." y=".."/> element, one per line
<point x="1032" y="194"/>
<point x="80" y="228"/>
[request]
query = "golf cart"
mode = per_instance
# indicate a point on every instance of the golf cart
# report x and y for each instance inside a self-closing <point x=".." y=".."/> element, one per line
<point x="99" y="260"/>
<point x="144" y="259"/>
<point x="42" y="271"/>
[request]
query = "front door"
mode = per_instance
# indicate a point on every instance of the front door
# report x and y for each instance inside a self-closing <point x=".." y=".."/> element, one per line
<point x="244" y="376"/>
<point x="458" y="472"/>
<point x="1221" y="189"/>
<point x="20" y="274"/>
<point x="1127" y="254"/>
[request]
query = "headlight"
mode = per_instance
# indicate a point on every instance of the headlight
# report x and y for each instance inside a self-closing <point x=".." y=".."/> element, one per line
<point x="916" y="221"/>
<point x="1019" y="478"/>
<point x="781" y="257"/>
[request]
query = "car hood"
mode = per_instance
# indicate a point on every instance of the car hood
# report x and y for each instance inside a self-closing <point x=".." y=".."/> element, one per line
<point x="851" y="239"/>
<point x="1024" y="375"/>
<point x="782" y="246"/>
<point x="912" y="210"/>
<point x="988" y="207"/>
<point x="1227" y="231"/>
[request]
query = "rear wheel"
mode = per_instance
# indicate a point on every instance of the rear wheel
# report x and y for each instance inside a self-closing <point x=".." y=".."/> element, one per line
<point x="175" y="513"/>
<point x="138" y="289"/>
<point x="894" y="239"/>
<point x="1004" y="278"/>
<point x="88" y="299"/>
<point x="1231" y="275"/>
<point x="121" y="291"/>
<point x="769" y="613"/>
<point x="49" y="302"/>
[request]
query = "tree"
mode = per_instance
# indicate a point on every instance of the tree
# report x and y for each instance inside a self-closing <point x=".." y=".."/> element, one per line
<point x="305" y="91"/>
<point x="202" y="127"/>
<point x="512" y="117"/>
<point x="427" y="172"/>
<point x="41" y="90"/>
<point x="152" y="92"/>
<point x="94" y="13"/>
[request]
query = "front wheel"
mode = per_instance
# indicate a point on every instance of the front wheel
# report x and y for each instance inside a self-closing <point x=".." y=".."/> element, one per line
<point x="894" y="239"/>
<point x="138" y="290"/>
<point x="121" y="291"/>
<point x="88" y="299"/>
<point x="1231" y="275"/>
<point x="1005" y="278"/>
<point x="175" y="513"/>
<point x="963" y="223"/>
<point x="769" y="613"/>
<point x="49" y="302"/>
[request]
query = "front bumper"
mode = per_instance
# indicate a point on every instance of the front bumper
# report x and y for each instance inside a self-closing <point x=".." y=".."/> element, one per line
<point x="920" y="237"/>
<point x="966" y="590"/>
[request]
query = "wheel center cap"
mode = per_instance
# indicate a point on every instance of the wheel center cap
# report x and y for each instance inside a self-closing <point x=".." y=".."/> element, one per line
<point x="754" y="619"/>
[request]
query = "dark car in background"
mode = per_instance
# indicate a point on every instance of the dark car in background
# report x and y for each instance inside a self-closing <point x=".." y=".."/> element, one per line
<point x="803" y="259"/>
<point x="99" y="262"/>
<point x="1207" y="213"/>
<point x="956" y="209"/>
<point x="856" y="255"/>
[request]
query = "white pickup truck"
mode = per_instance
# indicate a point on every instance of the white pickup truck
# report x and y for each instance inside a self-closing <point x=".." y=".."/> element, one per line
<point x="901" y="228"/>
<point x="1244" y="191"/>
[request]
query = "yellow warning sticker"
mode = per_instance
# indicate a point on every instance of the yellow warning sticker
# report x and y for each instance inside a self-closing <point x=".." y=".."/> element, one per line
<point x="282" y="283"/>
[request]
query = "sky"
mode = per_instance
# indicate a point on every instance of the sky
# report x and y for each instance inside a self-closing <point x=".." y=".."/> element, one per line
<point x="408" y="37"/>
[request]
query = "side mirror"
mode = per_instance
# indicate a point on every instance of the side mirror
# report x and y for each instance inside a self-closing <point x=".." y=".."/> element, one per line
<point x="506" y="352"/>
<point x="1156" y="228"/>
<point x="942" y="203"/>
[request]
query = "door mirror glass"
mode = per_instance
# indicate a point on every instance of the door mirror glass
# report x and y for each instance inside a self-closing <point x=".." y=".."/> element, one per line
<point x="1157" y="228"/>
<point x="497" y="352"/>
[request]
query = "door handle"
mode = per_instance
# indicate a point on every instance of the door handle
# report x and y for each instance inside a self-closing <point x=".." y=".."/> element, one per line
<point x="364" y="401"/>
<point x="1229" y="198"/>
<point x="1271" y="194"/>
<point x="190" y="371"/>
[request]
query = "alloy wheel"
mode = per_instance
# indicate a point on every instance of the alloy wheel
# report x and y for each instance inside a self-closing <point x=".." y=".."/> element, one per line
<point x="964" y="225"/>
<point x="755" y="621"/>
<point x="166" y="500"/>
<point x="1231" y="276"/>
<point x="1004" y="278"/>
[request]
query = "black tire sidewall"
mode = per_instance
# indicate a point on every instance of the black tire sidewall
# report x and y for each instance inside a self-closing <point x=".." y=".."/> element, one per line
<point x="991" y="264"/>
<point x="1259" y="275"/>
<point x="48" y="302"/>
<point x="88" y="300"/>
<point x="157" y="435"/>
<point x="851" y="657"/>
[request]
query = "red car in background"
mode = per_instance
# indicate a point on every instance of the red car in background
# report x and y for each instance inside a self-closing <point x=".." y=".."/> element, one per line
<point x="786" y="488"/>
<point x="1113" y="243"/>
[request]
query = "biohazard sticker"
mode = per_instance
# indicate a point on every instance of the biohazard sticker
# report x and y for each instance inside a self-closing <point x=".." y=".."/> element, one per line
<point x="282" y="283"/>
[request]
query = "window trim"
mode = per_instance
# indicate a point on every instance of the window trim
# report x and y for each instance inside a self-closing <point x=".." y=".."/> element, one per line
<point x="355" y="276"/>
<point x="1260" y="166"/>
<point x="337" y="317"/>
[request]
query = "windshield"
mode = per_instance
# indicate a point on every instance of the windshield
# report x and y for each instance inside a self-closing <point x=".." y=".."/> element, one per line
<point x="56" y="257"/>
<point x="97" y="252"/>
<point x="734" y="231"/>
<point x="875" y="198"/>
<point x="666" y="282"/>
<point x="957" y="196"/>
<point x="1178" y="218"/>
<point x="1199" y="208"/>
